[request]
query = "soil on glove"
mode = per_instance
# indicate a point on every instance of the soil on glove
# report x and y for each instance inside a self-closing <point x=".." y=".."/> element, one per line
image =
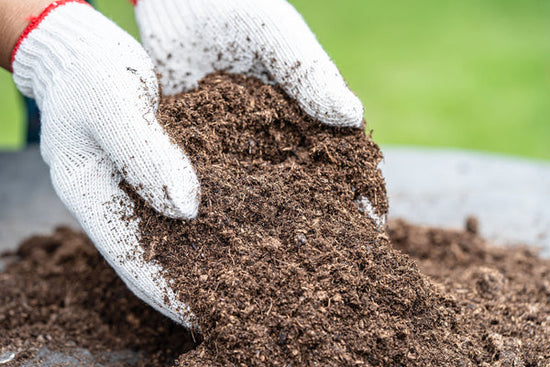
<point x="280" y="266"/>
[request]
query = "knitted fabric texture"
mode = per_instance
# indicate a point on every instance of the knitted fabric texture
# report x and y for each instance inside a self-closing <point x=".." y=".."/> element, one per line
<point x="268" y="39"/>
<point x="98" y="93"/>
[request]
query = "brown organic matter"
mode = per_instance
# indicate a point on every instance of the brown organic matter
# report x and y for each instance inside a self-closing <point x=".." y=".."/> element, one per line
<point x="502" y="294"/>
<point x="58" y="292"/>
<point x="280" y="266"/>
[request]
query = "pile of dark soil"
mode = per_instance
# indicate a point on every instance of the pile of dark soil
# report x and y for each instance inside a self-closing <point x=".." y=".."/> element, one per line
<point x="57" y="291"/>
<point x="503" y="294"/>
<point x="60" y="292"/>
<point x="281" y="266"/>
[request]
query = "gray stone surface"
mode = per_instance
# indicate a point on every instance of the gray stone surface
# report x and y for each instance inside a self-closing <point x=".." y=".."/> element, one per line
<point x="28" y="203"/>
<point x="510" y="196"/>
<point x="74" y="357"/>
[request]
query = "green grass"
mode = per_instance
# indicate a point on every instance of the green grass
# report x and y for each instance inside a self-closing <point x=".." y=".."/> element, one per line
<point x="470" y="74"/>
<point x="11" y="116"/>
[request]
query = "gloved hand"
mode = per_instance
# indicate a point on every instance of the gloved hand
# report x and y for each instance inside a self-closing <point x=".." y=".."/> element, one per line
<point x="188" y="39"/>
<point x="268" y="39"/>
<point x="98" y="93"/>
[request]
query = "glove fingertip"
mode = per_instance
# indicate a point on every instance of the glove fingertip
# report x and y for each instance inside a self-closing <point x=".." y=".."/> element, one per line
<point x="183" y="208"/>
<point x="342" y="109"/>
<point x="181" y="194"/>
<point x="352" y="115"/>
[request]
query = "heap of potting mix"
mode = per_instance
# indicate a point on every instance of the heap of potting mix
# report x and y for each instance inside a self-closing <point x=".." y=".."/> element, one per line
<point x="280" y="266"/>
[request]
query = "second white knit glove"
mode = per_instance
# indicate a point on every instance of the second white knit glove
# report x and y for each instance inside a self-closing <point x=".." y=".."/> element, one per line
<point x="98" y="93"/>
<point x="189" y="39"/>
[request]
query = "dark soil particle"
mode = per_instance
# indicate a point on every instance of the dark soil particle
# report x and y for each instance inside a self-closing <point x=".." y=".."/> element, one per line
<point x="280" y="266"/>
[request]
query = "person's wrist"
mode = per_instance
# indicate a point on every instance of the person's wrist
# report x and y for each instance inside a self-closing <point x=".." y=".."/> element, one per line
<point x="36" y="19"/>
<point x="15" y="17"/>
<point x="68" y="40"/>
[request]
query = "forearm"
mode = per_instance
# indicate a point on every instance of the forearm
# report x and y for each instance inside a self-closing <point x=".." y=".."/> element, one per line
<point x="14" y="18"/>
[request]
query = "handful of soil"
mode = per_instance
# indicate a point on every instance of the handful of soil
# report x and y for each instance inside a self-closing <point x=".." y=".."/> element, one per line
<point x="280" y="266"/>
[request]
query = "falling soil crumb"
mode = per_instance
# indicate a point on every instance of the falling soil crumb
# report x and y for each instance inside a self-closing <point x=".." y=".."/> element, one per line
<point x="280" y="266"/>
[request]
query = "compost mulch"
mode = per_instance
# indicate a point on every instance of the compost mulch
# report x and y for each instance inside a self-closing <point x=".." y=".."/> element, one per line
<point x="280" y="266"/>
<point x="57" y="291"/>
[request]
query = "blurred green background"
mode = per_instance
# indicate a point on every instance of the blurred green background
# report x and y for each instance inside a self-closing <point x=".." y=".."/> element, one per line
<point x="471" y="74"/>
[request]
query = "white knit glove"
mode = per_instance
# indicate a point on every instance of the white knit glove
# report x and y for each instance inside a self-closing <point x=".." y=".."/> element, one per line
<point x="97" y="91"/>
<point x="189" y="39"/>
